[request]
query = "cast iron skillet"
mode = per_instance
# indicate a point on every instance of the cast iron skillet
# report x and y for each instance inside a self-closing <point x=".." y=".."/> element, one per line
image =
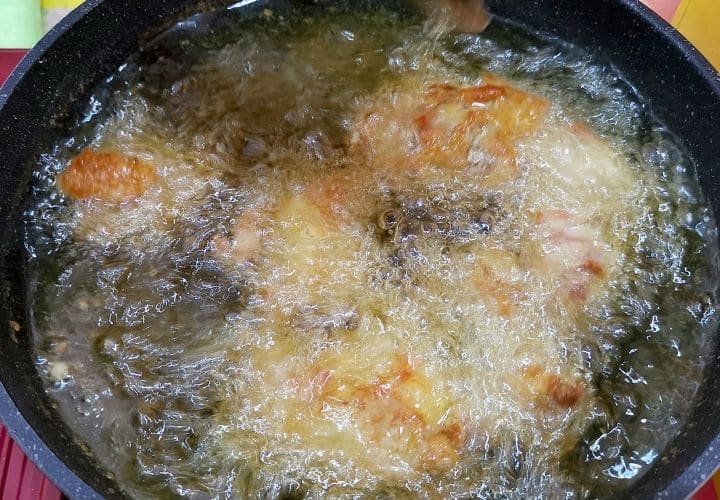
<point x="54" y="79"/>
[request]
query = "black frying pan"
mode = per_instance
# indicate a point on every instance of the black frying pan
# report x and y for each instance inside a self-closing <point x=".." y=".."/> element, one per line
<point x="55" y="78"/>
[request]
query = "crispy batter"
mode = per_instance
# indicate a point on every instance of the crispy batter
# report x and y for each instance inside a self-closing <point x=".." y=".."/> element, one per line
<point x="397" y="403"/>
<point x="452" y="128"/>
<point x="493" y="280"/>
<point x="106" y="175"/>
<point x="563" y="393"/>
<point x="551" y="388"/>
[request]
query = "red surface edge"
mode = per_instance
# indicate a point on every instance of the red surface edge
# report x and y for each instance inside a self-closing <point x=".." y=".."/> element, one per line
<point x="19" y="478"/>
<point x="664" y="8"/>
<point x="9" y="58"/>
<point x="707" y="492"/>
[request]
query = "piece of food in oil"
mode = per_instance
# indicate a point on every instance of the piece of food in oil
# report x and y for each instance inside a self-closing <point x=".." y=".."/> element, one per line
<point x="107" y="176"/>
<point x="413" y="126"/>
<point x="346" y="260"/>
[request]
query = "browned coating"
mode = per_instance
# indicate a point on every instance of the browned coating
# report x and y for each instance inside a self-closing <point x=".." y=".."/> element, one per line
<point x="106" y="175"/>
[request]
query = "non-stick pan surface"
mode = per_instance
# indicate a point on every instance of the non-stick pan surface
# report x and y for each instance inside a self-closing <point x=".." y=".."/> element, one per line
<point x="49" y="86"/>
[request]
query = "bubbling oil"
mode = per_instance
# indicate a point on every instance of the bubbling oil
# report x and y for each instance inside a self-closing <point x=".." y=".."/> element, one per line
<point x="313" y="302"/>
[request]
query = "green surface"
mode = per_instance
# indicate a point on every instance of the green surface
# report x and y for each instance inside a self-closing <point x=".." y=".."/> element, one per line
<point x="20" y="23"/>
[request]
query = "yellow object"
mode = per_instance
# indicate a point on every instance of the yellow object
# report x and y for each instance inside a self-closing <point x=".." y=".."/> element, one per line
<point x="55" y="10"/>
<point x="60" y="4"/>
<point x="699" y="21"/>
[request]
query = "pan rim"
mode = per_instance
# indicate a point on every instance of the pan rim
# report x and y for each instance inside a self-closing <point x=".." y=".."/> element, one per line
<point x="700" y="468"/>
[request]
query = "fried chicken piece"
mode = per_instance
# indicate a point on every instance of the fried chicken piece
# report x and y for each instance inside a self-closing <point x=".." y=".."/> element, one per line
<point x="108" y="176"/>
<point x="473" y="129"/>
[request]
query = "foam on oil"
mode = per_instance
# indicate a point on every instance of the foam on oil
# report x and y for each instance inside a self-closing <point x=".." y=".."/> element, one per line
<point x="302" y="307"/>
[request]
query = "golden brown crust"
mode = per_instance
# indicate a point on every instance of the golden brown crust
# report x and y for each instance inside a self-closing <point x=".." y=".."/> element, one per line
<point x="107" y="176"/>
<point x="552" y="390"/>
<point x="451" y="128"/>
<point x="391" y="404"/>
